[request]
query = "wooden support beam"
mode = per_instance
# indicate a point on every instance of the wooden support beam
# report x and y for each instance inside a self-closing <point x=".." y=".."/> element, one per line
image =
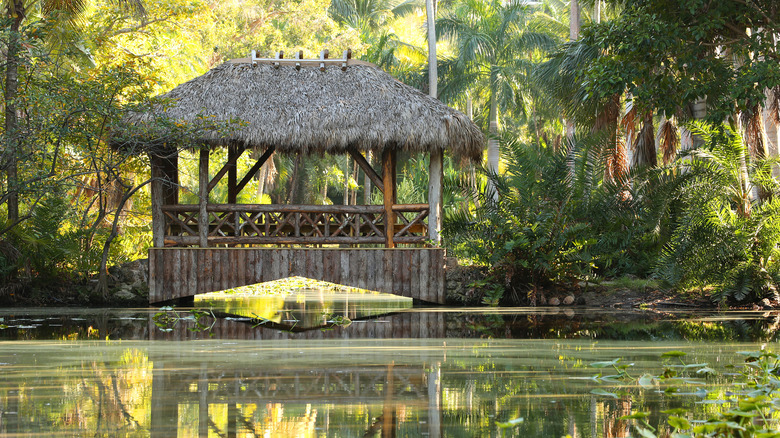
<point x="232" y="174"/>
<point x="203" y="198"/>
<point x="221" y="173"/>
<point x="389" y="194"/>
<point x="158" y="200"/>
<point x="366" y="166"/>
<point x="249" y="175"/>
<point x="170" y="175"/>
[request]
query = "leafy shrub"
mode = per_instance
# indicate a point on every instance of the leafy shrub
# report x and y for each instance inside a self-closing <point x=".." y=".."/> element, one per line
<point x="723" y="235"/>
<point x="523" y="226"/>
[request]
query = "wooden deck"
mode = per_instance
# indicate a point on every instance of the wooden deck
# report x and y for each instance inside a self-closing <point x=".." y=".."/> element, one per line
<point x="410" y="272"/>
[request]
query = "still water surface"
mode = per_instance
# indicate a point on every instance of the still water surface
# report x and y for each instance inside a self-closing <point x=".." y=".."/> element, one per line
<point x="325" y="365"/>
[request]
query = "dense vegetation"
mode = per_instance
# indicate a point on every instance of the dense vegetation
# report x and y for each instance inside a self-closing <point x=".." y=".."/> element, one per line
<point x="626" y="137"/>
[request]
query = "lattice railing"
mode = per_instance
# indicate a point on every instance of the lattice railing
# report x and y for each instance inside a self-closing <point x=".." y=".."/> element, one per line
<point x="295" y="224"/>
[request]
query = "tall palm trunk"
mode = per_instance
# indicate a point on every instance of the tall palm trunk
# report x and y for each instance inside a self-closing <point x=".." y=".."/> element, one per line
<point x="574" y="34"/>
<point x="492" y="146"/>
<point x="16" y="13"/>
<point x="436" y="163"/>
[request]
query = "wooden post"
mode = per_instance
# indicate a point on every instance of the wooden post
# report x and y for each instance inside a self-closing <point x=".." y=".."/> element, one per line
<point x="232" y="174"/>
<point x="157" y="194"/>
<point x="203" y="198"/>
<point x="170" y="170"/>
<point x="389" y="194"/>
<point x="435" y="200"/>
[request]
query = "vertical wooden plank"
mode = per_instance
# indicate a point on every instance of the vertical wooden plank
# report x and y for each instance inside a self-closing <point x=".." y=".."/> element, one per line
<point x="433" y="275"/>
<point x="175" y="268"/>
<point x="359" y="260"/>
<point x="260" y="265"/>
<point x="397" y="271"/>
<point x="387" y="271"/>
<point x="152" y="276"/>
<point x="414" y="273"/>
<point x="319" y="264"/>
<point x="438" y="279"/>
<point x="373" y="268"/>
<point x="334" y="257"/>
<point x="211" y="268"/>
<point x="275" y="255"/>
<point x="298" y="263"/>
<point x="201" y="272"/>
<point x="326" y="258"/>
<point x="192" y="277"/>
<point x="284" y="263"/>
<point x="219" y="267"/>
<point x="166" y="264"/>
<point x="249" y="261"/>
<point x="344" y="267"/>
<point x="424" y="277"/>
<point x="240" y="279"/>
<point x="228" y="268"/>
<point x="410" y="269"/>
<point x="154" y="279"/>
<point x="401" y="266"/>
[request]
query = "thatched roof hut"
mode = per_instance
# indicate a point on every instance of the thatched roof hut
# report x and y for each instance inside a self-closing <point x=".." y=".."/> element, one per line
<point x="313" y="110"/>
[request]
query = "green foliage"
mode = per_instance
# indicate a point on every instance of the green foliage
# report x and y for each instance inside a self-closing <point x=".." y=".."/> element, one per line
<point x="528" y="236"/>
<point x="669" y="53"/>
<point x="749" y="408"/>
<point x="722" y="235"/>
<point x="45" y="242"/>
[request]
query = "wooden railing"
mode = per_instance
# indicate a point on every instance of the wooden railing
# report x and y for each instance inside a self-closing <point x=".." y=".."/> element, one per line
<point x="257" y="224"/>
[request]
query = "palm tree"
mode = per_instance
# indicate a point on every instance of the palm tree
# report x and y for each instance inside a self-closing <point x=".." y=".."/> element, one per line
<point x="494" y="47"/>
<point x="372" y="19"/>
<point x="16" y="12"/>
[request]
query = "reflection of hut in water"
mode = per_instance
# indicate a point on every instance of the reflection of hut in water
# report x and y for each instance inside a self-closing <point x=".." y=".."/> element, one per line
<point x="333" y="106"/>
<point x="406" y="325"/>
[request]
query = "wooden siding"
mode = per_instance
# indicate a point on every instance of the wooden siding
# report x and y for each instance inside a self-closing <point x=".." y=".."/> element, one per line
<point x="181" y="272"/>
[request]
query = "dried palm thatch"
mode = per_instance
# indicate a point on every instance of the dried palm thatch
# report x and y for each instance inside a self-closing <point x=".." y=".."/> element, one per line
<point x="668" y="140"/>
<point x="306" y="110"/>
<point x="644" y="146"/>
<point x="753" y="125"/>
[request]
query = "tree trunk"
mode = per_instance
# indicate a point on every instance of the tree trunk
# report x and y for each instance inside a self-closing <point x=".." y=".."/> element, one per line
<point x="574" y="20"/>
<point x="492" y="146"/>
<point x="103" y="275"/>
<point x="432" y="65"/>
<point x="16" y="14"/>
<point x="436" y="164"/>
<point x="574" y="34"/>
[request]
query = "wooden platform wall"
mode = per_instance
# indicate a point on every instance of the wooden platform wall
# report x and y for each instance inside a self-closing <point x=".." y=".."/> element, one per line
<point x="181" y="272"/>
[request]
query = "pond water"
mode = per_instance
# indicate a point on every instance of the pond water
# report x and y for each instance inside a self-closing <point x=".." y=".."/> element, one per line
<point x="316" y="364"/>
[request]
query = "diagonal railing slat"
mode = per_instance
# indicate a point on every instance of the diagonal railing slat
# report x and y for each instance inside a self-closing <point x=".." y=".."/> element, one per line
<point x="264" y="224"/>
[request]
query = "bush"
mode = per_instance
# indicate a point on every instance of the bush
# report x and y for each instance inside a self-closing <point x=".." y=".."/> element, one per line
<point x="523" y="227"/>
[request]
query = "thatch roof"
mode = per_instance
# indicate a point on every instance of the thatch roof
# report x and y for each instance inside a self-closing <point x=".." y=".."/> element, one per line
<point x="307" y="110"/>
